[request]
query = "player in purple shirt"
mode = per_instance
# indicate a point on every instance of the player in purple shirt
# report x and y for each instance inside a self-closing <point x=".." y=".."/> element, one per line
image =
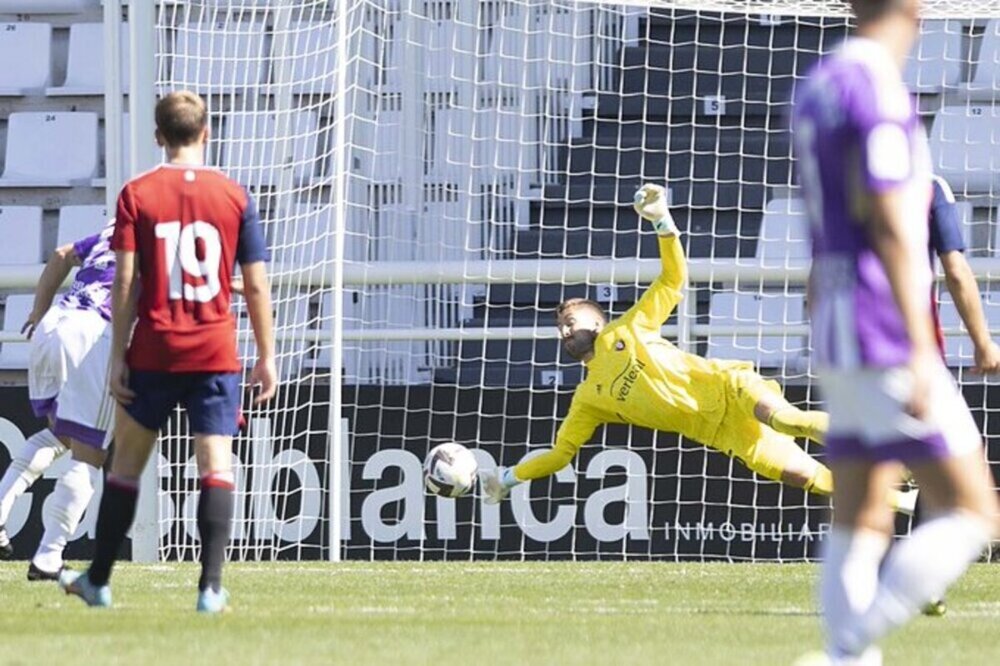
<point x="865" y="172"/>
<point x="67" y="383"/>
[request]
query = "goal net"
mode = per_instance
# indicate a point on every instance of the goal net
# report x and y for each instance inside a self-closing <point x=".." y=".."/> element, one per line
<point x="435" y="176"/>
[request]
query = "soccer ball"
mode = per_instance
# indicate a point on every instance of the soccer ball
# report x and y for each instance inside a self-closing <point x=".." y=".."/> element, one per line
<point x="450" y="470"/>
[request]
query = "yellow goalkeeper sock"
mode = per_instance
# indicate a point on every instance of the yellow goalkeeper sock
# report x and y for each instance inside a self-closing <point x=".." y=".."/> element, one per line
<point x="821" y="483"/>
<point x="800" y="423"/>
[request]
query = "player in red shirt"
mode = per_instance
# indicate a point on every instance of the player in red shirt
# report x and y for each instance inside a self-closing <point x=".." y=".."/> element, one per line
<point x="181" y="229"/>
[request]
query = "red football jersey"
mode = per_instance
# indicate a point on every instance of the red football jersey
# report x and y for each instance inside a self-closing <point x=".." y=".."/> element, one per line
<point x="188" y="226"/>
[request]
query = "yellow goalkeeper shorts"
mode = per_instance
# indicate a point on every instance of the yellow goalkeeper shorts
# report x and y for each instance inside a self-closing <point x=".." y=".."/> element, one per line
<point x="741" y="436"/>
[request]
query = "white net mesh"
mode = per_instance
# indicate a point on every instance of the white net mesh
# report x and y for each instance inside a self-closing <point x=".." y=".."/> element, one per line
<point x="470" y="134"/>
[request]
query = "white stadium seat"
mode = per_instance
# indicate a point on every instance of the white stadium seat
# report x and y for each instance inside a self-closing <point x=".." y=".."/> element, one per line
<point x="784" y="232"/>
<point x="251" y="153"/>
<point x="936" y="60"/>
<point x="47" y="6"/>
<point x="965" y="145"/>
<point x="218" y="57"/>
<point x="986" y="78"/>
<point x="76" y="222"/>
<point x="959" y="350"/>
<point x="50" y="149"/>
<point x="21" y="227"/>
<point x="29" y="45"/>
<point x="15" y="313"/>
<point x="309" y="56"/>
<point x="85" y="67"/>
<point x="743" y="309"/>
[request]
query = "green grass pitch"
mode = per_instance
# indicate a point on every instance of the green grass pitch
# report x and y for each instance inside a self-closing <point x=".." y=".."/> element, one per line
<point x="469" y="613"/>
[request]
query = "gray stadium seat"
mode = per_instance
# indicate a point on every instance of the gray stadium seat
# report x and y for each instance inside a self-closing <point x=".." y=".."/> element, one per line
<point x="742" y="308"/>
<point x="15" y="313"/>
<point x="958" y="349"/>
<point x="965" y="147"/>
<point x="206" y="63"/>
<point x="250" y="147"/>
<point x="50" y="149"/>
<point x="47" y="6"/>
<point x="76" y="222"/>
<point x="22" y="233"/>
<point x="784" y="232"/>
<point x="29" y="45"/>
<point x="312" y="59"/>
<point x="85" y="67"/>
<point x="936" y="60"/>
<point x="986" y="78"/>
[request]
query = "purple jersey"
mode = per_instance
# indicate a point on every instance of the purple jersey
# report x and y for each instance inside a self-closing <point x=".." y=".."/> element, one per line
<point x="856" y="134"/>
<point x="91" y="290"/>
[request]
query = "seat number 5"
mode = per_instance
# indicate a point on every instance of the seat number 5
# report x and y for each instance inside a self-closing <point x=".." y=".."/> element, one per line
<point x="180" y="249"/>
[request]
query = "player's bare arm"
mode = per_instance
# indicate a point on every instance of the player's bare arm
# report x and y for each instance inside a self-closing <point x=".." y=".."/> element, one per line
<point x="887" y="231"/>
<point x="58" y="268"/>
<point x="964" y="290"/>
<point x="124" y="292"/>
<point x="257" y="292"/>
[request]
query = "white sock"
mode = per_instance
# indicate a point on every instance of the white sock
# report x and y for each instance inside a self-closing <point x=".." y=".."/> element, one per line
<point x="62" y="513"/>
<point x="849" y="578"/>
<point x="917" y="571"/>
<point x="28" y="464"/>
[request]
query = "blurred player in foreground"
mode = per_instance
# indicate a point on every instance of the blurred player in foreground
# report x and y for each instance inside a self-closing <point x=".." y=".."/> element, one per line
<point x="635" y="376"/>
<point x="179" y="231"/>
<point x="864" y="167"/>
<point x="68" y="385"/>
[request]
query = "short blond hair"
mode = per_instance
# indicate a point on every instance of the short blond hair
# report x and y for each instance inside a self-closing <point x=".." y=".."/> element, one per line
<point x="181" y="117"/>
<point x="571" y="303"/>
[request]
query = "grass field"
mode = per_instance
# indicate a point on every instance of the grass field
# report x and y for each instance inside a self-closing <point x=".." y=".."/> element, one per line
<point x="490" y="613"/>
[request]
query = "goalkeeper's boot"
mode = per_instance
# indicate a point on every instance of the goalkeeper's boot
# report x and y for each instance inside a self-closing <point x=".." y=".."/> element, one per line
<point x="493" y="488"/>
<point x="74" y="582"/>
<point x="210" y="601"/>
<point x="936" y="608"/>
<point x="6" y="550"/>
<point x="36" y="574"/>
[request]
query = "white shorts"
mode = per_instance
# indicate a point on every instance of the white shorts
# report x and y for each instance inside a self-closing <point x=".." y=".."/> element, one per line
<point x="868" y="417"/>
<point x="68" y="375"/>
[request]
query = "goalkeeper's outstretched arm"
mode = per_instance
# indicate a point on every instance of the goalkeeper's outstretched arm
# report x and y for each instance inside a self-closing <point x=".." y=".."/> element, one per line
<point x="576" y="430"/>
<point x="666" y="291"/>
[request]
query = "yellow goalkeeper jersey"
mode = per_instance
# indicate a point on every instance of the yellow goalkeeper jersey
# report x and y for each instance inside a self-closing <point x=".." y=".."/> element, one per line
<point x="639" y="378"/>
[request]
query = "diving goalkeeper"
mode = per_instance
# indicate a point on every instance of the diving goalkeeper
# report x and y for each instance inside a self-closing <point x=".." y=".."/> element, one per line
<point x="634" y="376"/>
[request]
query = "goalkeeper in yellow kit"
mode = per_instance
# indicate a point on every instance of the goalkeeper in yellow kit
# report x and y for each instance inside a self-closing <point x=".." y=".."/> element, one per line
<point x="636" y="377"/>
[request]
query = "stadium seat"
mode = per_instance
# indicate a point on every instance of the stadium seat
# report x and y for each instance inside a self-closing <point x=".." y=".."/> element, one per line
<point x="85" y="67"/>
<point x="958" y="349"/>
<point x="223" y="57"/>
<point x="936" y="60"/>
<point x="965" y="149"/>
<point x="311" y="59"/>
<point x="76" y="222"/>
<point x="21" y="227"/>
<point x="29" y="45"/>
<point x="728" y="308"/>
<point x="784" y="232"/>
<point x="50" y="149"/>
<point x="986" y="78"/>
<point x="15" y="313"/>
<point x="304" y="238"/>
<point x="250" y="147"/>
<point x="47" y="6"/>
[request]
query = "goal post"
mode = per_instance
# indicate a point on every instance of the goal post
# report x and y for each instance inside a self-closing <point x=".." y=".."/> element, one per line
<point x="435" y="176"/>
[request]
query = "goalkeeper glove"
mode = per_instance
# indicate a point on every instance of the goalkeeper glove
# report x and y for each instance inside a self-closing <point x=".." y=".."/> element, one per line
<point x="650" y="202"/>
<point x="496" y="483"/>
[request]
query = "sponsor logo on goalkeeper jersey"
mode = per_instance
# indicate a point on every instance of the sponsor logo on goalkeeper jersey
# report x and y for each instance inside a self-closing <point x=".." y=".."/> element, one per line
<point x="623" y="383"/>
